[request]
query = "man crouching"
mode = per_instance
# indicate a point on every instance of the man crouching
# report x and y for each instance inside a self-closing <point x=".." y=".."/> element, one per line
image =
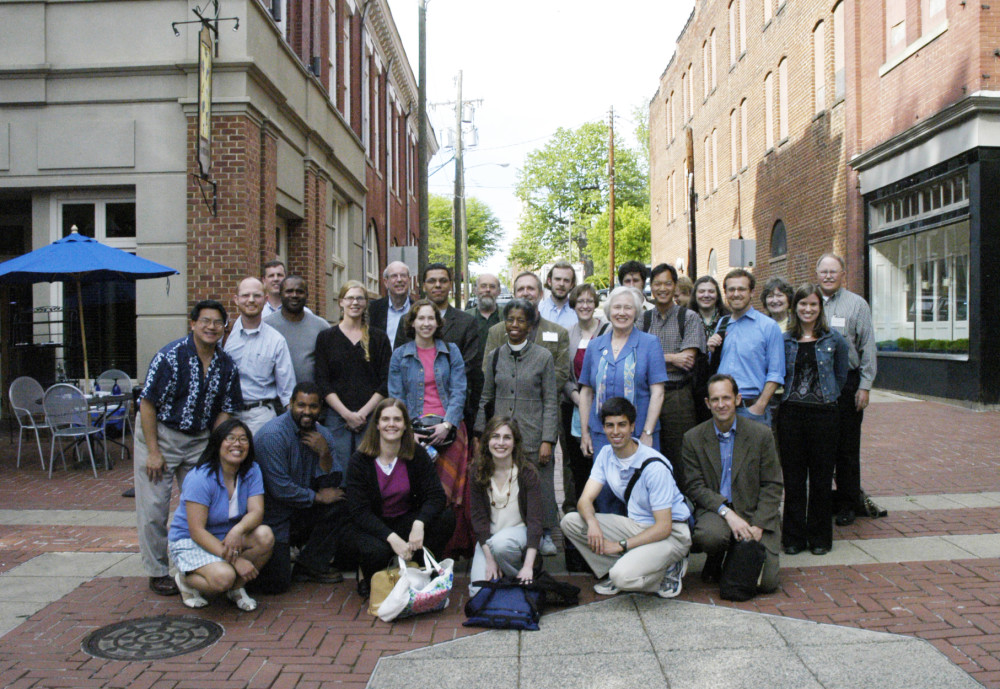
<point x="647" y="549"/>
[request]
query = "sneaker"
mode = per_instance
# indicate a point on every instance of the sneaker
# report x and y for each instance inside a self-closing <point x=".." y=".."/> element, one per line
<point x="605" y="588"/>
<point x="547" y="547"/>
<point x="672" y="582"/>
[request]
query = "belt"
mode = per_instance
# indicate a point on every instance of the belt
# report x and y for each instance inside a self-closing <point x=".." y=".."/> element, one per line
<point x="749" y="402"/>
<point x="259" y="403"/>
<point x="676" y="384"/>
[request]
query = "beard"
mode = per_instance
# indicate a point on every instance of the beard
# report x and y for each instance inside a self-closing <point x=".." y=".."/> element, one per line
<point x="487" y="304"/>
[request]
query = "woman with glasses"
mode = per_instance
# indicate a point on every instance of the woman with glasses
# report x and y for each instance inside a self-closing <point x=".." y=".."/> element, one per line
<point x="217" y="540"/>
<point x="352" y="369"/>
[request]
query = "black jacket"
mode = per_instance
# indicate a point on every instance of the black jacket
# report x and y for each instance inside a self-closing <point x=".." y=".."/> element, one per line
<point x="378" y="316"/>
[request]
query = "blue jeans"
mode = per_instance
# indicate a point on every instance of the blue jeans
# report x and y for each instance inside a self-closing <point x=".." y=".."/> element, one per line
<point x="345" y="441"/>
<point x="764" y="418"/>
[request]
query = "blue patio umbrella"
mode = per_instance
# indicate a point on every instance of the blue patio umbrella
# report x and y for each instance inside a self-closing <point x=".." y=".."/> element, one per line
<point x="79" y="259"/>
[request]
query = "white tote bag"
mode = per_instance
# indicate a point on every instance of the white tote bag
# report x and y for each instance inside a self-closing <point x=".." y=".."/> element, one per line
<point x="419" y="590"/>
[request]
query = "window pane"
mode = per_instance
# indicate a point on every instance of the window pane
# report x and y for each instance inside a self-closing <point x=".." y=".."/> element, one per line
<point x="119" y="220"/>
<point x="79" y="214"/>
<point x="893" y="294"/>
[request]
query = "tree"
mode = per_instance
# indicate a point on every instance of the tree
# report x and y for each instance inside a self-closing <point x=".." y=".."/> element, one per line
<point x="563" y="187"/>
<point x="632" y="233"/>
<point x="484" y="230"/>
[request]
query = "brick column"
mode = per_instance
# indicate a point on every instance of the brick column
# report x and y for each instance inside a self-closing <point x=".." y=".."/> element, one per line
<point x="268" y="193"/>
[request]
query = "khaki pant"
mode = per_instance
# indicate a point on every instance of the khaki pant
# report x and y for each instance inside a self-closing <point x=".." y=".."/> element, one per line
<point x="256" y="418"/>
<point x="181" y="453"/>
<point x="640" y="569"/>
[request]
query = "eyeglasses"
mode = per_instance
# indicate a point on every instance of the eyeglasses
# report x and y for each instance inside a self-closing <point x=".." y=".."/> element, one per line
<point x="211" y="323"/>
<point x="238" y="439"/>
<point x="355" y="300"/>
<point x="829" y="273"/>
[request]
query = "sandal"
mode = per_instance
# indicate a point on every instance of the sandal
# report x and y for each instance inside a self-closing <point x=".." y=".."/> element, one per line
<point x="192" y="597"/>
<point x="241" y="599"/>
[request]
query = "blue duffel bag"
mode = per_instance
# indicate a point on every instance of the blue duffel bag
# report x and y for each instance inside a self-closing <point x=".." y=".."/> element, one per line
<point x="504" y="604"/>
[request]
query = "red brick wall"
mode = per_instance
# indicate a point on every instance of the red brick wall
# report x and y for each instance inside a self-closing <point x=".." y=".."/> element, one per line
<point x="268" y="195"/>
<point x="220" y="249"/>
<point x="307" y="239"/>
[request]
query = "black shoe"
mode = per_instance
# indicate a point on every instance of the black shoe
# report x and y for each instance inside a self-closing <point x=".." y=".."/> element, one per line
<point x="364" y="587"/>
<point x="872" y="508"/>
<point x="303" y="573"/>
<point x="845" y="517"/>
<point x="163" y="586"/>
<point x="712" y="571"/>
<point x="819" y="550"/>
<point x="793" y="549"/>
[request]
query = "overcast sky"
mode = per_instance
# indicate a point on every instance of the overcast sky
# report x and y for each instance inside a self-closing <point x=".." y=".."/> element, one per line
<point x="537" y="65"/>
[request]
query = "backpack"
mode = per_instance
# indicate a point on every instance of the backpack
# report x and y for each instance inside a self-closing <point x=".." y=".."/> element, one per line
<point x="505" y="604"/>
<point x="700" y="372"/>
<point x="610" y="504"/>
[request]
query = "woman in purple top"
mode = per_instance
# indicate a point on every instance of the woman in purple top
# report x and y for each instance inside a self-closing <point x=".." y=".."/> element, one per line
<point x="394" y="496"/>
<point x="216" y="539"/>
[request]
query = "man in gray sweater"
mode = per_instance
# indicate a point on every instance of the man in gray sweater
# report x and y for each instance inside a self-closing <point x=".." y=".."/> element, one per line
<point x="298" y="326"/>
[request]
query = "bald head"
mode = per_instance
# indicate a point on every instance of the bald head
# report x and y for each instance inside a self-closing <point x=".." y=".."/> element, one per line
<point x="396" y="277"/>
<point x="250" y="300"/>
<point x="487" y="291"/>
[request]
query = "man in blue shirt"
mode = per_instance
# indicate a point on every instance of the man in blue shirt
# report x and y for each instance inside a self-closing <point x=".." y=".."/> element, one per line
<point x="734" y="479"/>
<point x="647" y="549"/>
<point x="753" y="348"/>
<point x="191" y="387"/>
<point x="561" y="280"/>
<point x="303" y="499"/>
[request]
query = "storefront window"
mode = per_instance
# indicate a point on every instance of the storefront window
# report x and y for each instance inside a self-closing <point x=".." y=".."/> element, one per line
<point x="920" y="291"/>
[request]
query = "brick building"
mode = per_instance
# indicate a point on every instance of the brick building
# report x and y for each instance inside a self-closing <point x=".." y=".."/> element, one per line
<point x="864" y="128"/>
<point x="314" y="144"/>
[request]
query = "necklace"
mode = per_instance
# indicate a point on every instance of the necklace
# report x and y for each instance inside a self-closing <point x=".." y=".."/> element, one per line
<point x="495" y="490"/>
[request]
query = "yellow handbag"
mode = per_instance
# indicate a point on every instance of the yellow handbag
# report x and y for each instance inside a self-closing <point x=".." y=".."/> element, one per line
<point x="383" y="581"/>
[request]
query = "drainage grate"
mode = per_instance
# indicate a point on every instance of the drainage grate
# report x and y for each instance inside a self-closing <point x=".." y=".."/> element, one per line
<point x="152" y="638"/>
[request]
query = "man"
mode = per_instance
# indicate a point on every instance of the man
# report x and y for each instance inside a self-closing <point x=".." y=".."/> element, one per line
<point x="682" y="337"/>
<point x="303" y="500"/>
<point x="262" y="357"/>
<point x="753" y="351"/>
<point x="561" y="280"/>
<point x="734" y="479"/>
<point x="554" y="338"/>
<point x="646" y="550"/>
<point x="274" y="273"/>
<point x="485" y="311"/>
<point x="634" y="274"/>
<point x="191" y="387"/>
<point x="459" y="328"/>
<point x="849" y="314"/>
<point x="389" y="312"/>
<point x="299" y="326"/>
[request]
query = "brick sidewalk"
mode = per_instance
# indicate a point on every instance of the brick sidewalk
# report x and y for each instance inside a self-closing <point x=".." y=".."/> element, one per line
<point x="321" y="636"/>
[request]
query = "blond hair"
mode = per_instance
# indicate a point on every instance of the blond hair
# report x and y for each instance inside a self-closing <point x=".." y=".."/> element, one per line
<point x="344" y="289"/>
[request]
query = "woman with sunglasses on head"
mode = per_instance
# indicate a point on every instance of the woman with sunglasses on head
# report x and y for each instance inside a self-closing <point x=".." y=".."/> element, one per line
<point x="216" y="539"/>
<point x="506" y="507"/>
<point x="352" y="369"/>
<point x="394" y="496"/>
<point x="816" y="368"/>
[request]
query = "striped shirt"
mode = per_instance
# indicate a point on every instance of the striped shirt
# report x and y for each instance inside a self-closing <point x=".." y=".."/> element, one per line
<point x="849" y="314"/>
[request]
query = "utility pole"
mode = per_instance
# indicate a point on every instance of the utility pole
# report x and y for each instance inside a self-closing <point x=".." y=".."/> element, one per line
<point x="458" y="207"/>
<point x="611" y="211"/>
<point x="692" y="201"/>
<point x="422" y="143"/>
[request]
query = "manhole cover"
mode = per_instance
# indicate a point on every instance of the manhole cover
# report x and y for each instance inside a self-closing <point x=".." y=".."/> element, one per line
<point x="152" y="638"/>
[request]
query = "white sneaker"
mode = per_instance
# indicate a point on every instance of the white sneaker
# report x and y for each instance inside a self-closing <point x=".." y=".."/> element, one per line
<point x="605" y="588"/>
<point x="547" y="547"/>
<point x="672" y="582"/>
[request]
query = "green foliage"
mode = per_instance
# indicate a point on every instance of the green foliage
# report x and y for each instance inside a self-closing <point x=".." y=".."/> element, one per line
<point x="564" y="188"/>
<point x="632" y="232"/>
<point x="485" y="231"/>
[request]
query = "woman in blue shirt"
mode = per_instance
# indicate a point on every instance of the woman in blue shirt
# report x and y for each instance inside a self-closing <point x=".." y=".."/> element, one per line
<point x="217" y="540"/>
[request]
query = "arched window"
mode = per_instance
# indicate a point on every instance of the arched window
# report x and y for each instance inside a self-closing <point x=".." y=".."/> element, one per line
<point x="713" y="264"/>
<point x="371" y="257"/>
<point x="779" y="241"/>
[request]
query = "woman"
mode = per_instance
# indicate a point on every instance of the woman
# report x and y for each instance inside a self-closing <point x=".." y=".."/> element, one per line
<point x="590" y="324"/>
<point x="816" y="368"/>
<point x="683" y="291"/>
<point x="217" y="540"/>
<point x="352" y="369"/>
<point x="520" y="382"/>
<point x="776" y="298"/>
<point x="428" y="374"/>
<point x="707" y="301"/>
<point x="506" y="507"/>
<point x="394" y="497"/>
<point x="624" y="362"/>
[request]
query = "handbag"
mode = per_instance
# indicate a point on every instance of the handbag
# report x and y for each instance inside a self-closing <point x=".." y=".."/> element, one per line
<point x="742" y="570"/>
<point x="505" y="604"/>
<point x="383" y="581"/>
<point x="423" y="426"/>
<point x="419" y="591"/>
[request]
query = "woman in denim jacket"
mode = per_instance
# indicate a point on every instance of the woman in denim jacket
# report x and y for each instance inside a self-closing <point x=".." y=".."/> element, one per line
<point x="815" y="371"/>
<point x="428" y="374"/>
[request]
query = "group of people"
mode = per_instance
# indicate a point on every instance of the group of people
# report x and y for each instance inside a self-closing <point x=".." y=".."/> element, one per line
<point x="304" y="449"/>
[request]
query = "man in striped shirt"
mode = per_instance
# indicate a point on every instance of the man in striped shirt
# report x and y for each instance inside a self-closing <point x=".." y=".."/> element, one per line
<point x="850" y="315"/>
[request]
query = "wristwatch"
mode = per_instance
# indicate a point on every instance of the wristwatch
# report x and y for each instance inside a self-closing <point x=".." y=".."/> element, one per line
<point x="624" y="544"/>
<point x="723" y="511"/>
<point x="645" y="432"/>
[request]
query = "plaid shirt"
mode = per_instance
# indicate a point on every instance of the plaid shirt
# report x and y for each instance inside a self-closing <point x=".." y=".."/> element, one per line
<point x="664" y="327"/>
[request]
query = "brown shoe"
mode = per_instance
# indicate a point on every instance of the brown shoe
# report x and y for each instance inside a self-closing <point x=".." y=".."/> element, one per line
<point x="163" y="586"/>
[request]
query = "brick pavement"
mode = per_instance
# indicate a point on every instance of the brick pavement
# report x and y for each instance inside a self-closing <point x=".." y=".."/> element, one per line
<point x="317" y="636"/>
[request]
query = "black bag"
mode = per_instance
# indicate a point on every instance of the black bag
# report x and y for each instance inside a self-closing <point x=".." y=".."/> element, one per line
<point x="559" y="593"/>
<point x="742" y="569"/>
<point x="423" y="426"/>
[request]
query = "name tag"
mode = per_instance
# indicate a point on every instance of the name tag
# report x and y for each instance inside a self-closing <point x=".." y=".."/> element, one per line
<point x="838" y="322"/>
<point x="548" y="336"/>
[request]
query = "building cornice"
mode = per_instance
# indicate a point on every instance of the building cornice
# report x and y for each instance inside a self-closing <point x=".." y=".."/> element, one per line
<point x="979" y="103"/>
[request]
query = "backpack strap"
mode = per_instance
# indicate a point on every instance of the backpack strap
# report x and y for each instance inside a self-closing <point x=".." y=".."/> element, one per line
<point x="647" y="320"/>
<point x="635" y="477"/>
<point x="496" y="355"/>
<point x="681" y="317"/>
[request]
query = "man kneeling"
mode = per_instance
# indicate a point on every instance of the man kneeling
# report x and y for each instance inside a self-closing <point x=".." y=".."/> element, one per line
<point x="646" y="550"/>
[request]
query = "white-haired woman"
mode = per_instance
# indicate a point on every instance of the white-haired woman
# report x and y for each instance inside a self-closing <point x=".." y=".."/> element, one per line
<point x="624" y="362"/>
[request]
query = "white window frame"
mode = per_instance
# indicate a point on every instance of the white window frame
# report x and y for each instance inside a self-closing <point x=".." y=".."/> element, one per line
<point x="769" y="111"/>
<point x="819" y="67"/>
<point x="783" y="103"/>
<point x="371" y="258"/>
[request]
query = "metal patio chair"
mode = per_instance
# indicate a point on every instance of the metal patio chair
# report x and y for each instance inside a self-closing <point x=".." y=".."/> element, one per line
<point x="25" y="399"/>
<point x="67" y="412"/>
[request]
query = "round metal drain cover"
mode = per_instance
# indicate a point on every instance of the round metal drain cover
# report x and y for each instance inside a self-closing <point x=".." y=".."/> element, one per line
<point x="152" y="638"/>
